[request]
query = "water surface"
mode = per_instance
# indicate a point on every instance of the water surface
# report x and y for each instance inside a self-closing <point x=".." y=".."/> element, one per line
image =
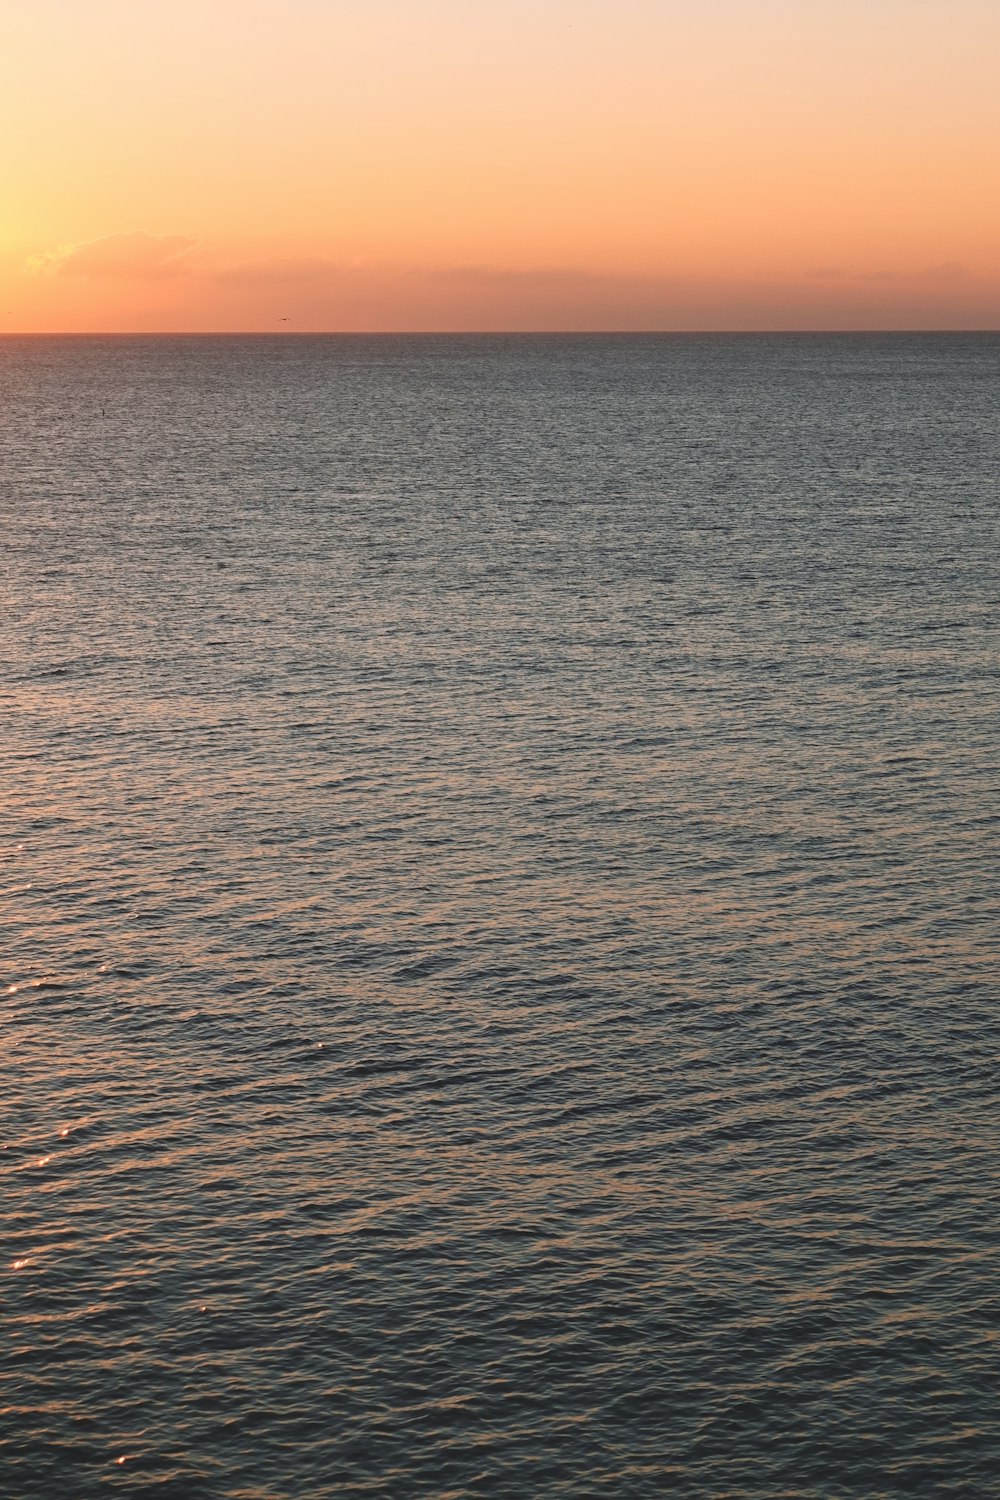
<point x="499" y="867"/>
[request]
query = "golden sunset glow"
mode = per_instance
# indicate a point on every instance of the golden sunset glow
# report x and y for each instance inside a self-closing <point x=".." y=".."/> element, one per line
<point x="458" y="164"/>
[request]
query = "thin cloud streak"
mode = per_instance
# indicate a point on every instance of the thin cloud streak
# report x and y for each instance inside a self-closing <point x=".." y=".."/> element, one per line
<point x="282" y="271"/>
<point x="946" y="271"/>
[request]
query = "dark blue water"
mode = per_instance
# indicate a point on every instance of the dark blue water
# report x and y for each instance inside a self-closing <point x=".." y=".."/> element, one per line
<point x="500" y="917"/>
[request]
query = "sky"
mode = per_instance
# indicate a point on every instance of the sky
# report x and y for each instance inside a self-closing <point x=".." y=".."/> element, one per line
<point x="370" y="165"/>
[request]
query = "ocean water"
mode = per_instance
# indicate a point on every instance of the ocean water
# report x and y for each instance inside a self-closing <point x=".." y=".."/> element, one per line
<point x="500" y="922"/>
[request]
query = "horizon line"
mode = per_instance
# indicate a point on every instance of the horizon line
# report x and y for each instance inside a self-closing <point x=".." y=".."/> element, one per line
<point x="374" y="333"/>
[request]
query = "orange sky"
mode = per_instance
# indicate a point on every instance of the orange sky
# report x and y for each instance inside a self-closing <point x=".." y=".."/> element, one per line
<point x="472" y="164"/>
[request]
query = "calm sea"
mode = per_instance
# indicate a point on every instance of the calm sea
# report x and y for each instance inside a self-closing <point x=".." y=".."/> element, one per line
<point x="500" y="917"/>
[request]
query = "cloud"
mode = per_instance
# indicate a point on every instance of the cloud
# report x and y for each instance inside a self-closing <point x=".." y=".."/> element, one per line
<point x="137" y="256"/>
<point x="499" y="276"/>
<point x="947" y="270"/>
<point x="293" y="271"/>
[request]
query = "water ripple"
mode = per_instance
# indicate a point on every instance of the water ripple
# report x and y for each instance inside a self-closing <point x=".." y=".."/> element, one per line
<point x="500" y="929"/>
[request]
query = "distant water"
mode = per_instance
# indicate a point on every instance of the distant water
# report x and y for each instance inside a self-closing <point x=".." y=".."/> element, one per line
<point x="500" y="915"/>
